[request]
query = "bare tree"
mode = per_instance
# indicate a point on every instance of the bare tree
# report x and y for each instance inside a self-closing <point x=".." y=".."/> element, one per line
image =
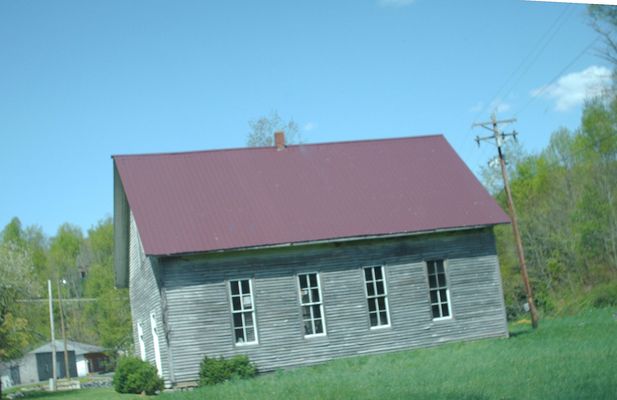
<point x="604" y="21"/>
<point x="262" y="130"/>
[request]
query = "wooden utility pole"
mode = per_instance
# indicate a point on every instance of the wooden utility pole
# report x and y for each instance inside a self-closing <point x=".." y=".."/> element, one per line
<point x="498" y="136"/>
<point x="66" y="351"/>
<point x="52" y="382"/>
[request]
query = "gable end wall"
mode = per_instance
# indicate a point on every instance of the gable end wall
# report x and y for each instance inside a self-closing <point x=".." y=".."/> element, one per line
<point x="146" y="296"/>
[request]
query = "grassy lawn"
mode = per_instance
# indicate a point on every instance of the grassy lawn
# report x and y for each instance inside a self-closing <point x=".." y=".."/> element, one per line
<point x="85" y="394"/>
<point x="566" y="358"/>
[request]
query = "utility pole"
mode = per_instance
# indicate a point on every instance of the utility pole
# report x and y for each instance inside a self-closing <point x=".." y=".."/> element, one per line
<point x="52" y="385"/>
<point x="498" y="136"/>
<point x="66" y="351"/>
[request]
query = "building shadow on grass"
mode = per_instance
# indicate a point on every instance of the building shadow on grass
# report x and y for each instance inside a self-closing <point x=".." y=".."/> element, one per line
<point x="519" y="329"/>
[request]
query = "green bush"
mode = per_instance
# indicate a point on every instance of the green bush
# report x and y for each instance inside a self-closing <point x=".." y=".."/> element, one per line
<point x="136" y="376"/>
<point x="218" y="370"/>
<point x="604" y="295"/>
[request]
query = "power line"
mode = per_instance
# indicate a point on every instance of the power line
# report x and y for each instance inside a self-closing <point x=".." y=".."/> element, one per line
<point x="533" y="61"/>
<point x="557" y="76"/>
<point x="526" y="58"/>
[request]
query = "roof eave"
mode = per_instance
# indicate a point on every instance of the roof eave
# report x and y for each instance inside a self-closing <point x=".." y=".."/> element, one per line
<point x="331" y="240"/>
<point x="121" y="233"/>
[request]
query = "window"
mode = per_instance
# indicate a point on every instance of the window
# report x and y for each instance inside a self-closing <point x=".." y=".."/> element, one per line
<point x="243" y="312"/>
<point x="311" y="304"/>
<point x="438" y="289"/>
<point x="376" y="296"/>
<point x="142" y="344"/>
<point x="155" y="343"/>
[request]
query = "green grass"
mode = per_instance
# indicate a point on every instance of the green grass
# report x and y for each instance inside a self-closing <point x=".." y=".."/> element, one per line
<point x="85" y="394"/>
<point x="566" y="358"/>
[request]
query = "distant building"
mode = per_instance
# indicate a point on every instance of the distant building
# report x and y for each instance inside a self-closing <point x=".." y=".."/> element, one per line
<point x="294" y="255"/>
<point x="36" y="365"/>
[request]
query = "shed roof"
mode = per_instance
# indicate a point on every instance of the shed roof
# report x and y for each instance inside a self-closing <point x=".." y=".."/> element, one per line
<point x="77" y="347"/>
<point x="225" y="199"/>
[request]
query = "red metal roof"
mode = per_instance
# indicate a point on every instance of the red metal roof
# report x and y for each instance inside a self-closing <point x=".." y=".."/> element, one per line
<point x="223" y="199"/>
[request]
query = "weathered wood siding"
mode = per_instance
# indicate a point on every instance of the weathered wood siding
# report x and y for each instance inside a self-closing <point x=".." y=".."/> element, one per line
<point x="199" y="320"/>
<point x="145" y="293"/>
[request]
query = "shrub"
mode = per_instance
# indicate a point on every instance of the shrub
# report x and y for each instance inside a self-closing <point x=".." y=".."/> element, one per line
<point x="136" y="376"/>
<point x="604" y="295"/>
<point x="218" y="370"/>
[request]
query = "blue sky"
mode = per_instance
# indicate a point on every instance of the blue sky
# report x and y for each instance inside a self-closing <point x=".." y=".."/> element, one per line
<point x="82" y="80"/>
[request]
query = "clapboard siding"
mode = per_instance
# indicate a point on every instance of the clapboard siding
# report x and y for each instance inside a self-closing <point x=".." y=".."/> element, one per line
<point x="199" y="321"/>
<point x="145" y="297"/>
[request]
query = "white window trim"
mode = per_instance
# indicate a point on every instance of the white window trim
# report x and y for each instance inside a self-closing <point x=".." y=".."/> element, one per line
<point x="321" y="308"/>
<point x="385" y="295"/>
<point x="142" y="344"/>
<point x="448" y="298"/>
<point x="155" y="342"/>
<point x="231" y="307"/>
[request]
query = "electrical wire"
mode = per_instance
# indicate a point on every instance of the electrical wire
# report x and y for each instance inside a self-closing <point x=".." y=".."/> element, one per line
<point x="557" y="76"/>
<point x="537" y="50"/>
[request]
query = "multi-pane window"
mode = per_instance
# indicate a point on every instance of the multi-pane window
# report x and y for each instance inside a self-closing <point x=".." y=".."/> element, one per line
<point x="376" y="296"/>
<point x="438" y="289"/>
<point x="243" y="311"/>
<point x="312" y="305"/>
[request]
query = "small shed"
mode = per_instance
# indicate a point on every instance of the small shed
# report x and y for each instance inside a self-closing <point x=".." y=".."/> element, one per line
<point x="36" y="365"/>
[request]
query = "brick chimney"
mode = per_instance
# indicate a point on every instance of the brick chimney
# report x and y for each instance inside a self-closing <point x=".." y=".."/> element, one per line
<point x="279" y="140"/>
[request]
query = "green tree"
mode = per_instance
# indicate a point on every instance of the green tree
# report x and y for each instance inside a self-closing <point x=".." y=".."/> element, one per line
<point x="110" y="314"/>
<point x="15" y="283"/>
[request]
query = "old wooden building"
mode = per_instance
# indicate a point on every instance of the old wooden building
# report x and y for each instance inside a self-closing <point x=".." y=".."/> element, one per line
<point x="300" y="254"/>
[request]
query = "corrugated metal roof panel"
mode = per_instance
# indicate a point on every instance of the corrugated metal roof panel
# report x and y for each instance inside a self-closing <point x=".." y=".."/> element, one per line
<point x="223" y="199"/>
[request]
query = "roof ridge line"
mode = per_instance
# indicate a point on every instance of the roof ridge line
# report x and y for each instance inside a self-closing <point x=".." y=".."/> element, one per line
<point x="188" y="152"/>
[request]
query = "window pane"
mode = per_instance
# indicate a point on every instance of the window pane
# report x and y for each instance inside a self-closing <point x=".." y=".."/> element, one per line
<point x="308" y="327"/>
<point x="248" y="319"/>
<point x="303" y="282"/>
<point x="380" y="288"/>
<point x="433" y="296"/>
<point x="235" y="303"/>
<point x="250" y="334"/>
<point x="432" y="282"/>
<point x="383" y="318"/>
<point x="372" y="306"/>
<point x="430" y="266"/>
<point x="318" y="326"/>
<point x="245" y="287"/>
<point x="442" y="280"/>
<point x="442" y="295"/>
<point x="370" y="288"/>
<point x="381" y="302"/>
<point x="305" y="296"/>
<point x="368" y="276"/>
<point x="373" y="317"/>
<point x="306" y="312"/>
<point x="239" y="335"/>
<point x="234" y="287"/>
<point x="313" y="280"/>
<point x="435" y="311"/>
<point x="444" y="310"/>
<point x="316" y="311"/>
<point x="247" y="303"/>
<point x="315" y="295"/>
<point x="378" y="273"/>
<point x="237" y="320"/>
<point x="439" y="266"/>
